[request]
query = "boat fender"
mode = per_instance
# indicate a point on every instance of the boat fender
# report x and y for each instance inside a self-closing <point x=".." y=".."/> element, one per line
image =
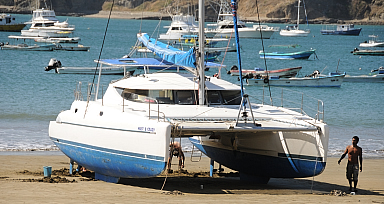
<point x="234" y="67"/>
<point x="266" y="80"/>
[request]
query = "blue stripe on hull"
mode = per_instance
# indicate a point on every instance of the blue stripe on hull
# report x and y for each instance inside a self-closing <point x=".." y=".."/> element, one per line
<point x="112" y="164"/>
<point x="261" y="165"/>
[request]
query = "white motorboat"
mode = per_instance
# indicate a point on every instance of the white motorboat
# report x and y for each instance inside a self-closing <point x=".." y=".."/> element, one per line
<point x="294" y="31"/>
<point x="224" y="28"/>
<point x="59" y="40"/>
<point x="313" y="80"/>
<point x="45" y="24"/>
<point x="181" y="28"/>
<point x="371" y="78"/>
<point x="373" y="42"/>
<point x="127" y="132"/>
<point x="26" y="44"/>
<point x="77" y="47"/>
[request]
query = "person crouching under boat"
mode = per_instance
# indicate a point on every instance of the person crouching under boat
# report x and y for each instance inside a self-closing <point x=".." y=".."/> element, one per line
<point x="175" y="150"/>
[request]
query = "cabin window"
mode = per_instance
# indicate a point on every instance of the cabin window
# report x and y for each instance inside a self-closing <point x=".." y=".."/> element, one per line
<point x="145" y="96"/>
<point x="185" y="97"/>
<point x="176" y="28"/>
<point x="49" y="24"/>
<point x="214" y="98"/>
<point x="231" y="97"/>
<point x="38" y="25"/>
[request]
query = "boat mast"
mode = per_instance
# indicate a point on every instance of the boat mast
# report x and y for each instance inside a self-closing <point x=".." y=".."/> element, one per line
<point x="200" y="53"/>
<point x="234" y="12"/>
<point x="298" y="14"/>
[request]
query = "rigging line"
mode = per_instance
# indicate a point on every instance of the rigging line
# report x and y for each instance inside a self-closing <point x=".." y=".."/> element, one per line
<point x="98" y="60"/>
<point x="305" y="11"/>
<point x="262" y="44"/>
<point x="225" y="53"/>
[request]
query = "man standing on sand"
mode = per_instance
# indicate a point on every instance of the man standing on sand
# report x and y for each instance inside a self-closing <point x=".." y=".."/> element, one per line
<point x="354" y="152"/>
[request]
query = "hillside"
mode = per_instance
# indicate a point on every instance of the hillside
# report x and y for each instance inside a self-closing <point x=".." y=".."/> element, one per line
<point x="365" y="11"/>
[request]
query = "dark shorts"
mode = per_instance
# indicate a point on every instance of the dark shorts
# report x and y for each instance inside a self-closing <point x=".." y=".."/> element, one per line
<point x="352" y="172"/>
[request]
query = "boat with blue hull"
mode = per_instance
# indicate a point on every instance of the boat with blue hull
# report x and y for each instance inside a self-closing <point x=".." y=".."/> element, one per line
<point x="343" y="29"/>
<point x="287" y="55"/>
<point x="263" y="165"/>
<point x="126" y="133"/>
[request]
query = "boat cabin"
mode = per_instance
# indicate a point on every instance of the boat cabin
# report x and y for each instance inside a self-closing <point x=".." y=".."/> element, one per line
<point x="6" y="19"/>
<point x="176" y="89"/>
<point x="42" y="14"/>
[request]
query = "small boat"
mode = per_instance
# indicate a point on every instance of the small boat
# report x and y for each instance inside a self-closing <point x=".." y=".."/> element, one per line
<point x="59" y="40"/>
<point x="286" y="72"/>
<point x="72" y="48"/>
<point x="7" y="23"/>
<point x="26" y="44"/>
<point x="356" y="51"/>
<point x="373" y="42"/>
<point x="376" y="78"/>
<point x="313" y="80"/>
<point x="343" y="29"/>
<point x="287" y="55"/>
<point x="119" y="66"/>
<point x="294" y="31"/>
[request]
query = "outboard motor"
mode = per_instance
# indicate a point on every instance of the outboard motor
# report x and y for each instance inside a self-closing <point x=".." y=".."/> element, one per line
<point x="53" y="64"/>
<point x="1" y="44"/>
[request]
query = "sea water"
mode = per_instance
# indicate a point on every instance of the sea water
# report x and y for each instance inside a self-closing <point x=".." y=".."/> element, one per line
<point x="31" y="97"/>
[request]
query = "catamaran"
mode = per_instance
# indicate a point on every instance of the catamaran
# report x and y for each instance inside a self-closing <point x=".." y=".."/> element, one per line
<point x="126" y="133"/>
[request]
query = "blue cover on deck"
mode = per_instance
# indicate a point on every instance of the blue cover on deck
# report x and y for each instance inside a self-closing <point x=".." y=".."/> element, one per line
<point x="168" y="52"/>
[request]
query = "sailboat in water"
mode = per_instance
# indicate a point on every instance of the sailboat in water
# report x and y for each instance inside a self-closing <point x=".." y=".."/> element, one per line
<point x="294" y="31"/>
<point x="126" y="133"/>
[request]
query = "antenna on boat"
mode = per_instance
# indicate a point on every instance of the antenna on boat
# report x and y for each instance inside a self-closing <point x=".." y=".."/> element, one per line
<point x="200" y="53"/>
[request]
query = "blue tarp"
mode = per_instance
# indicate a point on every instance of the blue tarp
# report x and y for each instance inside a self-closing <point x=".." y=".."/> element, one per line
<point x="169" y="53"/>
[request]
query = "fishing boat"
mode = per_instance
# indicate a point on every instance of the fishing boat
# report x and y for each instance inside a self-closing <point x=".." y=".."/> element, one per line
<point x="45" y="24"/>
<point x="8" y="23"/>
<point x="26" y="44"/>
<point x="287" y="55"/>
<point x="373" y="42"/>
<point x="371" y="78"/>
<point x="127" y="132"/>
<point x="65" y="47"/>
<point x="224" y="27"/>
<point x="294" y="31"/>
<point x="342" y="29"/>
<point x="313" y="80"/>
<point x="356" y="51"/>
<point x="286" y="72"/>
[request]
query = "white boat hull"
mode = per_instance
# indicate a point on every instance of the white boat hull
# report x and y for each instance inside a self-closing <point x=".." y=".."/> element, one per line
<point x="29" y="48"/>
<point x="294" y="33"/>
<point x="365" y="79"/>
<point x="245" y="33"/>
<point x="264" y="155"/>
<point x="327" y="81"/>
<point x="114" y="144"/>
<point x="91" y="70"/>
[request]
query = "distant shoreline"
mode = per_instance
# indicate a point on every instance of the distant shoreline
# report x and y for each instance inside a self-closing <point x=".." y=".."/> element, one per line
<point x="157" y="15"/>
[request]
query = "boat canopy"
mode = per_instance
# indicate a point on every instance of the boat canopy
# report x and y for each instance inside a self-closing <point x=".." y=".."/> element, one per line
<point x="167" y="52"/>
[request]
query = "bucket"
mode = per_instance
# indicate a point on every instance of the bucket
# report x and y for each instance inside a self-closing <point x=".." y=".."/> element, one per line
<point x="47" y="171"/>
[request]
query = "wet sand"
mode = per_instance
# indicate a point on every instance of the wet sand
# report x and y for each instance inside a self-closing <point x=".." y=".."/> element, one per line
<point x="22" y="181"/>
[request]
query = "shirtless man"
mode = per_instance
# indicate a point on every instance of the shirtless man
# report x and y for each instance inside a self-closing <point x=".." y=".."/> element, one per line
<point x="175" y="150"/>
<point x="354" y="152"/>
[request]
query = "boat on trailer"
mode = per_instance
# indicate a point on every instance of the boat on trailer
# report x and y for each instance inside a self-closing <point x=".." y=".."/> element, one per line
<point x="126" y="133"/>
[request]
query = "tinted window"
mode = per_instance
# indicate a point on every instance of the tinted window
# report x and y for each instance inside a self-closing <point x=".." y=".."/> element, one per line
<point x="231" y="97"/>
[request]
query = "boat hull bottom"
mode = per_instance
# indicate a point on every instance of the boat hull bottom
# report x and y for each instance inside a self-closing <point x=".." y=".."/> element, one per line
<point x="108" y="165"/>
<point x="262" y="167"/>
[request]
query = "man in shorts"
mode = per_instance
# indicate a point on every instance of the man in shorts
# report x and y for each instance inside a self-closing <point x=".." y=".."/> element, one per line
<point x="354" y="153"/>
<point x="175" y="150"/>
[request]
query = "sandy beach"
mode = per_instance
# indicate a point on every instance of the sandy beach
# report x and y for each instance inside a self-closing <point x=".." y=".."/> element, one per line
<point x="21" y="181"/>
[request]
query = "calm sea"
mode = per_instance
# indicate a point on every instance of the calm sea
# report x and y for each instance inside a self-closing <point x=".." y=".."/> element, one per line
<point x="31" y="97"/>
